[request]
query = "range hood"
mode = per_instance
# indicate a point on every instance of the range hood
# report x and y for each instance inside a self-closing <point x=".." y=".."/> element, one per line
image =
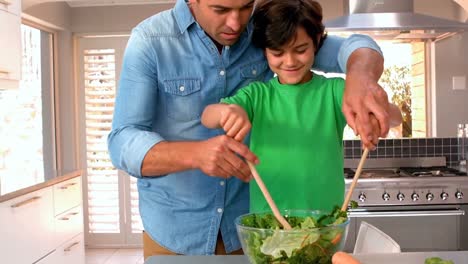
<point x="395" y="20"/>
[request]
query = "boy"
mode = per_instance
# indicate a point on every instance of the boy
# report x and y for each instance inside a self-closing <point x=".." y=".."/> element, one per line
<point x="296" y="118"/>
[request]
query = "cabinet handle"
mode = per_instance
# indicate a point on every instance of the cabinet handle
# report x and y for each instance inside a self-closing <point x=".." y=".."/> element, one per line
<point x="4" y="71"/>
<point x="67" y="217"/>
<point x="68" y="185"/>
<point x="5" y="2"/>
<point x="67" y="249"/>
<point x="16" y="205"/>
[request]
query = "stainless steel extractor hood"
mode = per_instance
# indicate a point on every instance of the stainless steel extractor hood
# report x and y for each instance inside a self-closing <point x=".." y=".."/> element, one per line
<point x="393" y="19"/>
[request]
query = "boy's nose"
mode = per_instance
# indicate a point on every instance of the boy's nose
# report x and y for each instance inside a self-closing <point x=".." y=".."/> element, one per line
<point x="233" y="21"/>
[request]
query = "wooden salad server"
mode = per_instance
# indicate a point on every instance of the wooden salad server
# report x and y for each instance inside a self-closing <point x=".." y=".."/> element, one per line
<point x="268" y="198"/>
<point x="355" y="179"/>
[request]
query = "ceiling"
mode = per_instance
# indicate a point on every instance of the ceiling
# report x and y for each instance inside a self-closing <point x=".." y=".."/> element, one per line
<point x="81" y="3"/>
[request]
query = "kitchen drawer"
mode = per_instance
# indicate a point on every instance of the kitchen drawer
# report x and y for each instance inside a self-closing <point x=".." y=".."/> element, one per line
<point x="70" y="252"/>
<point x="68" y="224"/>
<point x="67" y="195"/>
<point x="27" y="225"/>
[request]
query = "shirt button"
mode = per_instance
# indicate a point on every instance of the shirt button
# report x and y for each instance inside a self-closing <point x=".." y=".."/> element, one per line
<point x="220" y="210"/>
<point x="182" y="88"/>
<point x="254" y="72"/>
<point x="221" y="73"/>
<point x="227" y="47"/>
<point x="221" y="183"/>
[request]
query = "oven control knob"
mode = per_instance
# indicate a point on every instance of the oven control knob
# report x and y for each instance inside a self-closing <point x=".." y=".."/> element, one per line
<point x="430" y="196"/>
<point x="400" y="197"/>
<point x="414" y="197"/>
<point x="362" y="197"/>
<point x="386" y="196"/>
<point x="444" y="196"/>
<point x="459" y="195"/>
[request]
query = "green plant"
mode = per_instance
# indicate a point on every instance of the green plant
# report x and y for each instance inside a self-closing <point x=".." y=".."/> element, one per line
<point x="397" y="80"/>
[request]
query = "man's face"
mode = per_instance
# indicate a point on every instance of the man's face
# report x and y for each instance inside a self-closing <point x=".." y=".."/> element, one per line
<point x="293" y="61"/>
<point x="222" y="20"/>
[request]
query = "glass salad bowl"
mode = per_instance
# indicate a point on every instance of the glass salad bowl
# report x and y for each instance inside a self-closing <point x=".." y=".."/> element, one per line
<point x="314" y="238"/>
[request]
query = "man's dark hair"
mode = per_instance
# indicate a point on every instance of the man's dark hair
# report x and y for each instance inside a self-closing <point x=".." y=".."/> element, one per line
<point x="276" y="22"/>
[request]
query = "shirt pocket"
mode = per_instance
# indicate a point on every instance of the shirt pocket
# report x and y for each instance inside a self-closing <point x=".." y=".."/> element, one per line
<point x="183" y="99"/>
<point x="254" y="71"/>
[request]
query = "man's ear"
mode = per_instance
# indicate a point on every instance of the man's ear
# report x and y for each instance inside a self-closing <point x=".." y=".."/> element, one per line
<point x="319" y="38"/>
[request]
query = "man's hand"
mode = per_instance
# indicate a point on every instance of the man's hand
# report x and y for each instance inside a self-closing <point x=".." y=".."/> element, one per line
<point x="235" y="122"/>
<point x="364" y="96"/>
<point x="219" y="156"/>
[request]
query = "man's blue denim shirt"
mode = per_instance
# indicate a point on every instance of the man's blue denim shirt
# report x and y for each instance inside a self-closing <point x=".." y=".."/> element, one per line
<point x="171" y="71"/>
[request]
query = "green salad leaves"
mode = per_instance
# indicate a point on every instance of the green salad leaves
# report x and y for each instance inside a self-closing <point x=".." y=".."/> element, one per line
<point x="437" y="260"/>
<point x="314" y="246"/>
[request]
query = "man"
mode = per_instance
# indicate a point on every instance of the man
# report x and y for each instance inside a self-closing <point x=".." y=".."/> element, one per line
<point x="175" y="64"/>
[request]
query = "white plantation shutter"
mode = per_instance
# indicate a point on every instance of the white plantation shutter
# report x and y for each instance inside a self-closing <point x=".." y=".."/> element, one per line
<point x="111" y="197"/>
<point x="103" y="184"/>
<point x="137" y="226"/>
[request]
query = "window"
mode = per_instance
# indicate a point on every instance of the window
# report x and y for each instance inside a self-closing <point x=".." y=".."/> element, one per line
<point x="27" y="137"/>
<point x="404" y="81"/>
<point x="111" y="196"/>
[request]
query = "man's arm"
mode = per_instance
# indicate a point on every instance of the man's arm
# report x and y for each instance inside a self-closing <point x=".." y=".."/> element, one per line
<point x="215" y="157"/>
<point x="364" y="96"/>
<point x="361" y="58"/>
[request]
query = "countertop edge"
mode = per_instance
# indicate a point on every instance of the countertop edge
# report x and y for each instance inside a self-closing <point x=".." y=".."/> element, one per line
<point x="59" y="179"/>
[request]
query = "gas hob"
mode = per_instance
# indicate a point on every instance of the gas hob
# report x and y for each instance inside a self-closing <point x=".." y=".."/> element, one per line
<point x="397" y="182"/>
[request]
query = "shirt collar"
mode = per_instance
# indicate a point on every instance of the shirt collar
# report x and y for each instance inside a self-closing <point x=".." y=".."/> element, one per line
<point x="182" y="15"/>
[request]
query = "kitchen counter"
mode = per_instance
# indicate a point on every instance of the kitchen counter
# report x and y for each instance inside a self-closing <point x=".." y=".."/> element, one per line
<point x="458" y="257"/>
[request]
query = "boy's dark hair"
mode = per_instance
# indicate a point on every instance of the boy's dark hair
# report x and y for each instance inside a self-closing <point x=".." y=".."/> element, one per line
<point x="276" y="22"/>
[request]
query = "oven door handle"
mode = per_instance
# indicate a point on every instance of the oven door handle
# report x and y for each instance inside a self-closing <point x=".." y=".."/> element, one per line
<point x="455" y="212"/>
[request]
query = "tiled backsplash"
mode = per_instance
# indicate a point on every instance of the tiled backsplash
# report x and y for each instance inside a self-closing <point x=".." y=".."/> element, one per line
<point x="408" y="147"/>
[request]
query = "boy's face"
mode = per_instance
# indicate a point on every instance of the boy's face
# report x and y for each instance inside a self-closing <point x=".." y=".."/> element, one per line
<point x="293" y="61"/>
<point x="222" y="20"/>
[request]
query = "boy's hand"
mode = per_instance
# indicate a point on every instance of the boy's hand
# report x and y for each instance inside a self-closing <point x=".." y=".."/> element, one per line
<point x="235" y="122"/>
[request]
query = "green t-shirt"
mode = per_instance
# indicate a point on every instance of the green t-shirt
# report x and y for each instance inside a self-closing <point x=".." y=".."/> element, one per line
<point x="297" y="133"/>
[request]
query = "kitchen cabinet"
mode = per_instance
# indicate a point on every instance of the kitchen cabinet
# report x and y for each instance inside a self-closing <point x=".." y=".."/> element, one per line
<point x="10" y="46"/>
<point x="27" y="225"/>
<point x="44" y="226"/>
<point x="71" y="252"/>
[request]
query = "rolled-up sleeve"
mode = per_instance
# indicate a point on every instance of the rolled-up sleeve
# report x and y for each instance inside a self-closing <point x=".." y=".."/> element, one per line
<point x="132" y="136"/>
<point x="335" y="51"/>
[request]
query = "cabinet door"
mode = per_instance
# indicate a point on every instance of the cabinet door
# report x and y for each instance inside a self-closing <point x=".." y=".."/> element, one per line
<point x="67" y="195"/>
<point x="27" y="227"/>
<point x="68" y="225"/>
<point x="70" y="252"/>
<point x="10" y="47"/>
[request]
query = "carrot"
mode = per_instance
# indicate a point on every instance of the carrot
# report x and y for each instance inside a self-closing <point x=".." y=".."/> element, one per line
<point x="336" y="239"/>
<point x="343" y="258"/>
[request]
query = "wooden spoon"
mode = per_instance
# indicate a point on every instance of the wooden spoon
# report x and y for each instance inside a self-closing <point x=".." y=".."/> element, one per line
<point x="268" y="198"/>
<point x="355" y="179"/>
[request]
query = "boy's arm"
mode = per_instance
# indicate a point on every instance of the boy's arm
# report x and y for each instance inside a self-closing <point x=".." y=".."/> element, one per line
<point x="211" y="116"/>
<point x="231" y="117"/>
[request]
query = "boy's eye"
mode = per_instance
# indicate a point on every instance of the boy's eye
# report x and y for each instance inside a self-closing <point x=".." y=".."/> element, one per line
<point x="301" y="51"/>
<point x="276" y="53"/>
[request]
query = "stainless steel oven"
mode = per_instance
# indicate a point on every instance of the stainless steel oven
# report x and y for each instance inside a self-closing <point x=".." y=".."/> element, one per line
<point x="415" y="229"/>
<point x="424" y="208"/>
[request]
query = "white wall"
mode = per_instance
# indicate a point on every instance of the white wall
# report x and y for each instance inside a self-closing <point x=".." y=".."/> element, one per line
<point x="451" y="58"/>
<point x="112" y="18"/>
